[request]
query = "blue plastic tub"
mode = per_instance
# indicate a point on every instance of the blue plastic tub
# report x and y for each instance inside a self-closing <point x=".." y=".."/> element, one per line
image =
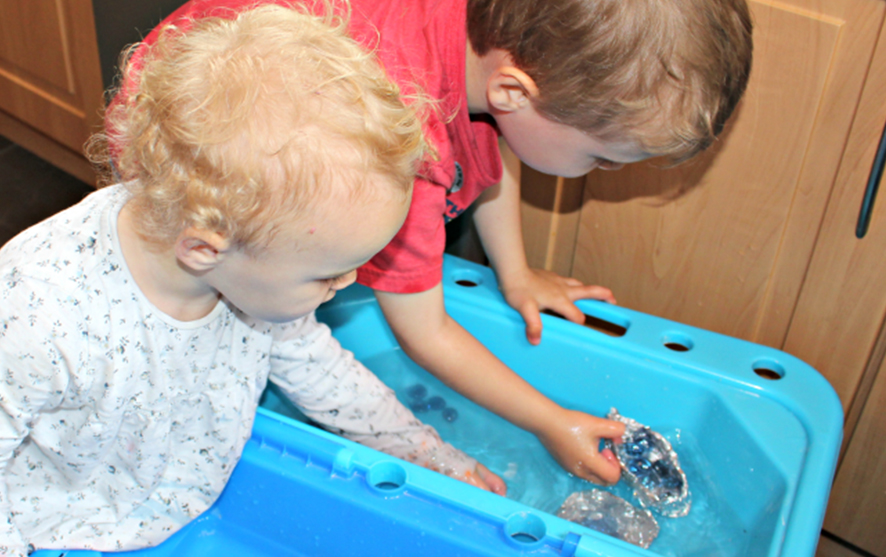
<point x="759" y="448"/>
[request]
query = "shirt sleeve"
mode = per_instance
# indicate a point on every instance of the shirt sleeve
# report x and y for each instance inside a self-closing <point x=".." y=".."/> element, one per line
<point x="332" y="388"/>
<point x="35" y="333"/>
<point x="413" y="260"/>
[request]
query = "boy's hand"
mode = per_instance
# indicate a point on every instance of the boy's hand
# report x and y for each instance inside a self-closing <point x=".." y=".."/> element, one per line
<point x="573" y="440"/>
<point x="535" y="290"/>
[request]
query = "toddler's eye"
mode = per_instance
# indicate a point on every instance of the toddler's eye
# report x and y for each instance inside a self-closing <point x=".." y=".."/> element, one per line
<point x="604" y="164"/>
<point x="332" y="281"/>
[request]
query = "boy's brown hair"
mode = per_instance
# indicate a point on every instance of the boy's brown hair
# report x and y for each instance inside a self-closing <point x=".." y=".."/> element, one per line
<point x="666" y="73"/>
<point x="237" y="122"/>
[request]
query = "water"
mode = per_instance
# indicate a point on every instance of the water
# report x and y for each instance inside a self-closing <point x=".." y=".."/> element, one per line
<point x="534" y="478"/>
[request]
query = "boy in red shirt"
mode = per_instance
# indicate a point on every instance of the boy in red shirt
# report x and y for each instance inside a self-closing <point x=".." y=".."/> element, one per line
<point x="565" y="86"/>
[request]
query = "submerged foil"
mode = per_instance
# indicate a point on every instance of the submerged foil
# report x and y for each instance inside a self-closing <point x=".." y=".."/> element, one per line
<point x="651" y="467"/>
<point x="611" y="515"/>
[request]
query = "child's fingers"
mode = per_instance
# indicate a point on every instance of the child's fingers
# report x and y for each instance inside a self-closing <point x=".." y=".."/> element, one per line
<point x="607" y="470"/>
<point x="571" y="312"/>
<point x="493" y="482"/>
<point x="604" y="468"/>
<point x="592" y="292"/>
<point x="485" y="479"/>
<point x="609" y="455"/>
<point x="529" y="311"/>
<point x="610" y="429"/>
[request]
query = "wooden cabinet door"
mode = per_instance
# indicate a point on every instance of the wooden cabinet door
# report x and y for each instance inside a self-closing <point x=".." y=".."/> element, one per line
<point x="50" y="78"/>
<point x="839" y="325"/>
<point x="730" y="255"/>
<point x="763" y="244"/>
<point x="843" y="300"/>
<point x="857" y="509"/>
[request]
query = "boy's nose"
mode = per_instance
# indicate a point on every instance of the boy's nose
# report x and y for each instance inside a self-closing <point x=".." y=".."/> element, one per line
<point x="345" y="281"/>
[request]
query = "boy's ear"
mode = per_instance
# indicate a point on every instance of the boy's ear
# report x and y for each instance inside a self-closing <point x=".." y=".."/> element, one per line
<point x="510" y="89"/>
<point x="201" y="250"/>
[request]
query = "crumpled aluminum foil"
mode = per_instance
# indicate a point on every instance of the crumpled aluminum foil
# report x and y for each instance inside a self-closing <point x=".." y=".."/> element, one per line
<point x="611" y="515"/>
<point x="651" y="467"/>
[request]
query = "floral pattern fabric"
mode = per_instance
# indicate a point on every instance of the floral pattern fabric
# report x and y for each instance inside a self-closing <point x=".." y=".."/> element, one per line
<point x="119" y="424"/>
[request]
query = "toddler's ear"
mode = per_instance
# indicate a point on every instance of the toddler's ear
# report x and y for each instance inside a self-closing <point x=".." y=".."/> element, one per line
<point x="201" y="250"/>
<point x="510" y="89"/>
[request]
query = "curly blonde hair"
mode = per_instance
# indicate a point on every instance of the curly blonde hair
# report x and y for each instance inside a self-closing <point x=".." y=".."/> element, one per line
<point x="666" y="73"/>
<point x="234" y="123"/>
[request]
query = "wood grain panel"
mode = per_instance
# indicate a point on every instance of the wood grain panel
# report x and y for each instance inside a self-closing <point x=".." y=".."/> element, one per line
<point x="706" y="258"/>
<point x="863" y="20"/>
<point x="22" y="24"/>
<point x="857" y="509"/>
<point x="830" y="548"/>
<point x="843" y="301"/>
<point x="50" y="76"/>
<point x="551" y="210"/>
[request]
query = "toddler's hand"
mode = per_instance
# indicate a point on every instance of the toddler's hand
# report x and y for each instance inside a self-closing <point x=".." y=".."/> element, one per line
<point x="484" y="478"/>
<point x="454" y="463"/>
<point x="537" y="289"/>
<point x="573" y="440"/>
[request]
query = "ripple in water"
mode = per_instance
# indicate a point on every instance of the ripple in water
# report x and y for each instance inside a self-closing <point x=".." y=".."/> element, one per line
<point x="534" y="478"/>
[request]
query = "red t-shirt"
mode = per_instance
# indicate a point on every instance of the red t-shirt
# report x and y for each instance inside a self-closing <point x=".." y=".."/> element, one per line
<point x="419" y="43"/>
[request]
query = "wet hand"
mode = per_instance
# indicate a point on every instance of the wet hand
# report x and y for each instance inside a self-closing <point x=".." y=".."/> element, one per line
<point x="573" y="440"/>
<point x="447" y="460"/>
<point x="484" y="478"/>
<point x="535" y="290"/>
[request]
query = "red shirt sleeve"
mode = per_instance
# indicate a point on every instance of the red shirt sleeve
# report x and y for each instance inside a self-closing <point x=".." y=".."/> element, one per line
<point x="423" y="42"/>
<point x="413" y="261"/>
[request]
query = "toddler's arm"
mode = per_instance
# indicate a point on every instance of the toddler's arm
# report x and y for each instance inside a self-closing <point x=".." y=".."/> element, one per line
<point x="338" y="392"/>
<point x="32" y="378"/>
<point x="11" y="541"/>
<point x="440" y="345"/>
<point x="527" y="290"/>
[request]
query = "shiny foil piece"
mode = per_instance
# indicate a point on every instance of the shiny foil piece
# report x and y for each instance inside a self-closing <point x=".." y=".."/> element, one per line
<point x="651" y="467"/>
<point x="611" y="515"/>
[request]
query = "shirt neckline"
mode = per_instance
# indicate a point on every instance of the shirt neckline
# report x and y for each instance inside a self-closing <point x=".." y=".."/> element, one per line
<point x="120" y="198"/>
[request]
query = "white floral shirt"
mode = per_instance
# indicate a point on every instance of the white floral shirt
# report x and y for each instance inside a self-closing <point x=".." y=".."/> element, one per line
<point x="119" y="424"/>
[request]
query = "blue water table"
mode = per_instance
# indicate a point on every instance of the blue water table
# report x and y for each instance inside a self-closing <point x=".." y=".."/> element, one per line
<point x="758" y="433"/>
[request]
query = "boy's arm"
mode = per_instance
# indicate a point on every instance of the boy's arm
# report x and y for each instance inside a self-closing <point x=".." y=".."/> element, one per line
<point x="440" y="345"/>
<point x="332" y="388"/>
<point x="497" y="218"/>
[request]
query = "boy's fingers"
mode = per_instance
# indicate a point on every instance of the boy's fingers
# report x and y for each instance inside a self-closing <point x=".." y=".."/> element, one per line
<point x="606" y="470"/>
<point x="611" y="430"/>
<point x="529" y="311"/>
<point x="611" y="472"/>
<point x="571" y="312"/>
<point x="609" y="455"/>
<point x="592" y="292"/>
